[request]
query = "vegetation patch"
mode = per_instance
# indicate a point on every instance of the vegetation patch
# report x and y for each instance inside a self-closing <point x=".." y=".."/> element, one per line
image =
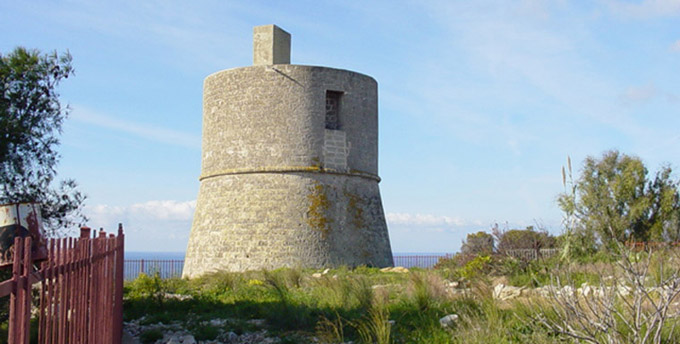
<point x="317" y="215"/>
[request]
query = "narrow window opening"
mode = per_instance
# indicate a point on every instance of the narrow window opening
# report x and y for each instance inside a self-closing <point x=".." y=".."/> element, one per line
<point x="333" y="110"/>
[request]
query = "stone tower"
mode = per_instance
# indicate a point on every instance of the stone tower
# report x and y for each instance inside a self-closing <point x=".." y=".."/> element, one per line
<point x="289" y="167"/>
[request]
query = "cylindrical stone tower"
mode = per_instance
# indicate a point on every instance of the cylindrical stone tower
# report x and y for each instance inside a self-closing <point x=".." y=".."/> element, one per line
<point x="289" y="167"/>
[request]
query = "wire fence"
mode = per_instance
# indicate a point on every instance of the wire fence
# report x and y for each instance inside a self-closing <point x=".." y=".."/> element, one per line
<point x="170" y="268"/>
<point x="532" y="254"/>
<point x="424" y="262"/>
<point x="167" y="268"/>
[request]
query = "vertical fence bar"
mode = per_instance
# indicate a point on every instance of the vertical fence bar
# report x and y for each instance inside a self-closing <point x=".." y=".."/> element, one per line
<point x="92" y="285"/>
<point x="62" y="290"/>
<point x="68" y="252"/>
<point x="109" y="289"/>
<point x="25" y="289"/>
<point x="118" y="297"/>
<point x="101" y="297"/>
<point x="87" y="273"/>
<point x="49" y="331"/>
<point x="43" y="303"/>
<point x="16" y="270"/>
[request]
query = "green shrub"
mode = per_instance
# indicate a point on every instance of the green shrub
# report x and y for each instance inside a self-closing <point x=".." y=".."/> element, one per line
<point x="151" y="336"/>
<point x="145" y="286"/>
<point x="375" y="327"/>
<point x="480" y="243"/>
<point x="205" y="332"/>
<point x="517" y="239"/>
<point x="476" y="268"/>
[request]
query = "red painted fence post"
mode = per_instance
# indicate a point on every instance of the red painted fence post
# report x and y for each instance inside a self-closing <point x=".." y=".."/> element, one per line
<point x="118" y="294"/>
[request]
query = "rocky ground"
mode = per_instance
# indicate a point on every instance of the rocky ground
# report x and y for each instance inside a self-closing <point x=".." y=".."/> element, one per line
<point x="175" y="333"/>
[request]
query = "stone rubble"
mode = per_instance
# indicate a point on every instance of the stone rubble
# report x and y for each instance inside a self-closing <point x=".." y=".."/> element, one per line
<point x="175" y="333"/>
<point x="448" y="321"/>
<point x="397" y="269"/>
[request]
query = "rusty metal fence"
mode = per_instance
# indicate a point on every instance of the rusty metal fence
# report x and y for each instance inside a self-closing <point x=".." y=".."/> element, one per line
<point x="81" y="290"/>
<point x="166" y="268"/>
<point x="171" y="268"/>
<point x="418" y="261"/>
<point x="532" y="254"/>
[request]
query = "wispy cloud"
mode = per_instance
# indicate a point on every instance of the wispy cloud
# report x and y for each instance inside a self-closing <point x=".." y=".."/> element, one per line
<point x="165" y="210"/>
<point x="159" y="225"/>
<point x="642" y="93"/>
<point x="676" y="46"/>
<point x="423" y="220"/>
<point x="144" y="131"/>
<point x="646" y="8"/>
<point x="646" y="93"/>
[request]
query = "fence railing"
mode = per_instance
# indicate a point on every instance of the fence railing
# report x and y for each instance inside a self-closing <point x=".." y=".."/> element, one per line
<point x="166" y="268"/>
<point x="170" y="268"/>
<point x="419" y="261"/>
<point x="81" y="290"/>
<point x="650" y="245"/>
<point x="532" y="254"/>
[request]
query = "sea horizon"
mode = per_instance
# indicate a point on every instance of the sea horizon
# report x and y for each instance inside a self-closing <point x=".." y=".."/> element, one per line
<point x="179" y="255"/>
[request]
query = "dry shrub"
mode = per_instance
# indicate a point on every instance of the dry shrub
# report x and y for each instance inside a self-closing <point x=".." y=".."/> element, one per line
<point x="426" y="289"/>
<point x="634" y="302"/>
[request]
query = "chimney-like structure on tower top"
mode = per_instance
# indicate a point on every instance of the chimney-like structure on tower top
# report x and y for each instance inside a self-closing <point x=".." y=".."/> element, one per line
<point x="271" y="45"/>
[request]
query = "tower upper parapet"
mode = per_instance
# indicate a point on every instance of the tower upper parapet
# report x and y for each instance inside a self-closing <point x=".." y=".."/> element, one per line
<point x="271" y="45"/>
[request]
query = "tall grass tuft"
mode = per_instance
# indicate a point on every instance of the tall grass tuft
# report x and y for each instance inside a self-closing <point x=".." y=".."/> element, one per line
<point x="330" y="331"/>
<point x="426" y="290"/>
<point x="375" y="327"/>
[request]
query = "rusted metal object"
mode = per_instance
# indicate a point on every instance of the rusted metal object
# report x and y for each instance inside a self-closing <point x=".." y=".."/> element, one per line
<point x="21" y="220"/>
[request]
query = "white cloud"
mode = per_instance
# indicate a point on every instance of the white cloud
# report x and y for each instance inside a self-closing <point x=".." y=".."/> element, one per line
<point x="141" y="130"/>
<point x="645" y="93"/>
<point x="159" y="225"/>
<point x="167" y="210"/>
<point x="646" y="8"/>
<point x="676" y="46"/>
<point x="423" y="220"/>
<point x="640" y="93"/>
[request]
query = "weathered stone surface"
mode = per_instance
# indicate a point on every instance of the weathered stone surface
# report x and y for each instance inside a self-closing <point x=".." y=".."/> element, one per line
<point x="271" y="45"/>
<point x="448" y="321"/>
<point x="506" y="292"/>
<point x="278" y="189"/>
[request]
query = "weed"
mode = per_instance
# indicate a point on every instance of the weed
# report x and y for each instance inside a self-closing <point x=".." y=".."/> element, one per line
<point x="330" y="331"/>
<point x="151" y="336"/>
<point x="375" y="326"/>
<point x="205" y="332"/>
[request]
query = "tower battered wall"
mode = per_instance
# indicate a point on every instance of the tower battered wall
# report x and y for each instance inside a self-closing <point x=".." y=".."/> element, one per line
<point x="277" y="188"/>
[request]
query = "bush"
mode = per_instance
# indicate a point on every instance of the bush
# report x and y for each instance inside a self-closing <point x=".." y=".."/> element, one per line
<point x="517" y="239"/>
<point x="151" y="336"/>
<point x="145" y="286"/>
<point x="477" y="267"/>
<point x="480" y="243"/>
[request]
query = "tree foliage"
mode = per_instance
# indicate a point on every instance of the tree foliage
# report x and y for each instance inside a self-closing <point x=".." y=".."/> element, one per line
<point x="522" y="239"/>
<point x="31" y="117"/>
<point x="480" y="243"/>
<point x="614" y="199"/>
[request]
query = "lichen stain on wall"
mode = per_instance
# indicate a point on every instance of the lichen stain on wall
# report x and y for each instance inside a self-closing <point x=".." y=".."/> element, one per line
<point x="356" y="206"/>
<point x="317" y="215"/>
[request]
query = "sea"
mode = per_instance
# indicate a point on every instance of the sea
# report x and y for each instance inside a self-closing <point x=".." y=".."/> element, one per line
<point x="170" y="264"/>
<point x="137" y="255"/>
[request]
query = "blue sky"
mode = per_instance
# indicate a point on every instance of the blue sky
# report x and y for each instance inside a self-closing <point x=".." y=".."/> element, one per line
<point x="480" y="102"/>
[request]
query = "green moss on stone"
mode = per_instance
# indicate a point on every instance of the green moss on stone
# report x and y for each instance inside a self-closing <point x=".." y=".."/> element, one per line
<point x="356" y="209"/>
<point x="317" y="215"/>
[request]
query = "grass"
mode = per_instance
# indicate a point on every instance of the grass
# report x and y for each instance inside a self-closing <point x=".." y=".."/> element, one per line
<point x="362" y="305"/>
<point x="365" y="305"/>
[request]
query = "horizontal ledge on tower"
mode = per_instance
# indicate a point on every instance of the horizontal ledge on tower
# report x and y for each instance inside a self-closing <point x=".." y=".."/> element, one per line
<point x="289" y="169"/>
